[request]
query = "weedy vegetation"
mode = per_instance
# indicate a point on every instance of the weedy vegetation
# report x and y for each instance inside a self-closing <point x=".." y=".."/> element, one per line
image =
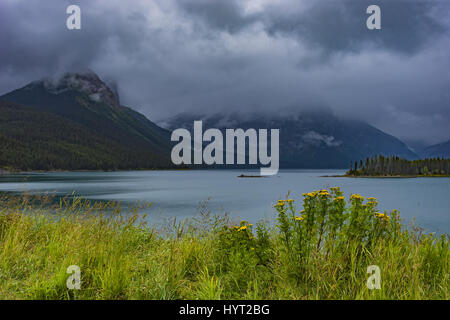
<point x="319" y="249"/>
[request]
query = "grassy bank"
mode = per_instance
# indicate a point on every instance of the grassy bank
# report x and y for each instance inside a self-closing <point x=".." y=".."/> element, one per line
<point x="319" y="248"/>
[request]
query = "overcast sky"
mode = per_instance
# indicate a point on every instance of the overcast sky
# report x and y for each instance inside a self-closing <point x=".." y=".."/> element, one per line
<point x="169" y="56"/>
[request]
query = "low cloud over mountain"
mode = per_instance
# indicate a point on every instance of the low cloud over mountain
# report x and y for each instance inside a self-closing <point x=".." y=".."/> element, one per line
<point x="172" y="56"/>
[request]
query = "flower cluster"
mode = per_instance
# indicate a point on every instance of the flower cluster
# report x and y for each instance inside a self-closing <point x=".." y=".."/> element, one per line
<point x="281" y="203"/>
<point x="326" y="214"/>
<point x="324" y="193"/>
<point x="244" y="225"/>
<point x="382" y="216"/>
<point x="356" y="197"/>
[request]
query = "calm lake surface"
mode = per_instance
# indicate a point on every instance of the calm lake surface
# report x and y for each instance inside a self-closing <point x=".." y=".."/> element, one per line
<point x="179" y="193"/>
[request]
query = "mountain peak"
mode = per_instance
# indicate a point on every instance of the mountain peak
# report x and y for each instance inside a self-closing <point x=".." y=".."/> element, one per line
<point x="87" y="82"/>
<point x="75" y="121"/>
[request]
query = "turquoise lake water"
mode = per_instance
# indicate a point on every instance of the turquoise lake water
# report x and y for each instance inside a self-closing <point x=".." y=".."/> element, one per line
<point x="179" y="193"/>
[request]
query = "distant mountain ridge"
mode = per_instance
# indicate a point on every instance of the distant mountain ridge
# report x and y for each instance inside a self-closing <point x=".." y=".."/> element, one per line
<point x="440" y="150"/>
<point x="76" y="122"/>
<point x="309" y="139"/>
<point x="98" y="132"/>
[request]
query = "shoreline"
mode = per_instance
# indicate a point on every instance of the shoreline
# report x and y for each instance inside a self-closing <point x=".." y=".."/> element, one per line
<point x="387" y="177"/>
<point x="4" y="171"/>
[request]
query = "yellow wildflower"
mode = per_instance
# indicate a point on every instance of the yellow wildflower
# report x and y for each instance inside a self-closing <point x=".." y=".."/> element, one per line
<point x="356" y="197"/>
<point x="339" y="198"/>
<point x="299" y="218"/>
<point x="242" y="228"/>
<point x="382" y="216"/>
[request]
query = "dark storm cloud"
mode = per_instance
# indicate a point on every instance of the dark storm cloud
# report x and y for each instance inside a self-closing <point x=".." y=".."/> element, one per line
<point x="37" y="40"/>
<point x="332" y="26"/>
<point x="169" y="56"/>
<point x="223" y="15"/>
<point x="339" y="26"/>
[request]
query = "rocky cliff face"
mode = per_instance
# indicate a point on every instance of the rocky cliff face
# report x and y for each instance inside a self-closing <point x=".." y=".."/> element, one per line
<point x="86" y="82"/>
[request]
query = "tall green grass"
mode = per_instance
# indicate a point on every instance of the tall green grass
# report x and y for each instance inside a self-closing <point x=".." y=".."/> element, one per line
<point x="319" y="249"/>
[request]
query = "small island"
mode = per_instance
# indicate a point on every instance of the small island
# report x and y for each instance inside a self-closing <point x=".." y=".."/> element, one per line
<point x="249" y="176"/>
<point x="395" y="167"/>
